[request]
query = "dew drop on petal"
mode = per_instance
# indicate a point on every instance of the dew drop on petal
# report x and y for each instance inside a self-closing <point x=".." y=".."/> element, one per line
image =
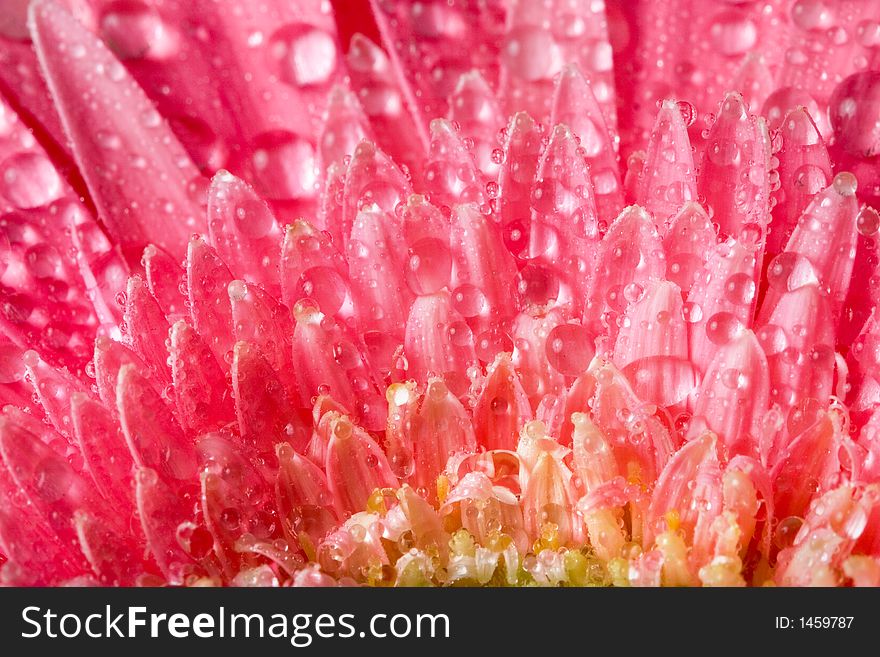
<point x="429" y="266"/>
<point x="305" y="55"/>
<point x="569" y="349"/>
<point x="134" y="30"/>
<point x="28" y="180"/>
<point x="868" y="221"/>
<point x="723" y="328"/>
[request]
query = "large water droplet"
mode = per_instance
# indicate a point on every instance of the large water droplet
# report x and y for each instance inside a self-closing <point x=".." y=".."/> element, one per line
<point x="812" y="14"/>
<point x="284" y="166"/>
<point x="28" y="180"/>
<point x="253" y="218"/>
<point x="325" y="287"/>
<point x="305" y="55"/>
<point x="133" y="30"/>
<point x="429" y="266"/>
<point x="569" y="349"/>
<point x="723" y="328"/>
<point x="868" y="221"/>
<point x="854" y="110"/>
<point x="733" y="33"/>
<point x="740" y="289"/>
<point x="531" y="53"/>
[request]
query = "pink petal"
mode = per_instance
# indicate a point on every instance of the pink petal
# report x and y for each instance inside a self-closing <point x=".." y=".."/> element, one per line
<point x="147" y="329"/>
<point x="47" y="480"/>
<point x="355" y="467"/>
<point x="328" y="361"/>
<point x="532" y="55"/>
<point x="641" y="442"/>
<point x="721" y="303"/>
<point x="690" y="486"/>
<point x="734" y="171"/>
<point x="754" y="81"/>
<point x="825" y="236"/>
<point x="689" y="241"/>
<point x="386" y="103"/>
<point x="474" y="107"/>
<point x="575" y="105"/>
<point x="372" y="183"/>
<point x="483" y="271"/>
<point x="267" y="325"/>
<point x="670" y="177"/>
<point x="110" y="357"/>
<point x="435" y="43"/>
<point x="208" y="279"/>
<point x="630" y="254"/>
<point x="593" y="456"/>
<point x="549" y="498"/>
<point x="376" y="265"/>
<point x="344" y="127"/>
<point x="438" y="342"/>
<point x="652" y="346"/>
<point x="235" y="500"/>
<point x="162" y="516"/>
<point x="312" y="268"/>
<point x="531" y="332"/>
<point x="136" y="207"/>
<point x="153" y="435"/>
<point x="564" y="224"/>
<point x="502" y="407"/>
<point x="165" y="279"/>
<point x="451" y="175"/>
<point x="112" y="556"/>
<point x="804" y="171"/>
<point x="440" y="429"/>
<point x="264" y="412"/>
<point x="106" y="456"/>
<point x="807" y="465"/>
<point x="303" y="498"/>
<point x="330" y="209"/>
<point x="201" y="394"/>
<point x="101" y="266"/>
<point x="522" y="148"/>
<point x="244" y="231"/>
<point x="734" y="395"/>
<point x="798" y="338"/>
<point x="53" y="387"/>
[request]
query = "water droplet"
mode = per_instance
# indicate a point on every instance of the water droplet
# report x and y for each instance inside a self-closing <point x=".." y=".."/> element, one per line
<point x="845" y="183"/>
<point x="786" y="531"/>
<point x="812" y="14"/>
<point x="868" y="221"/>
<point x="283" y="166"/>
<point x="538" y="284"/>
<point x="569" y="349"/>
<point x="531" y="53"/>
<point x="469" y="301"/>
<point x="429" y="266"/>
<point x="28" y="180"/>
<point x="740" y="289"/>
<point x="325" y="286"/>
<point x="133" y="30"/>
<point x="688" y="112"/>
<point x="305" y="55"/>
<point x="723" y="328"/>
<point x="733" y="33"/>
<point x="692" y="312"/>
<point x="253" y="218"/>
